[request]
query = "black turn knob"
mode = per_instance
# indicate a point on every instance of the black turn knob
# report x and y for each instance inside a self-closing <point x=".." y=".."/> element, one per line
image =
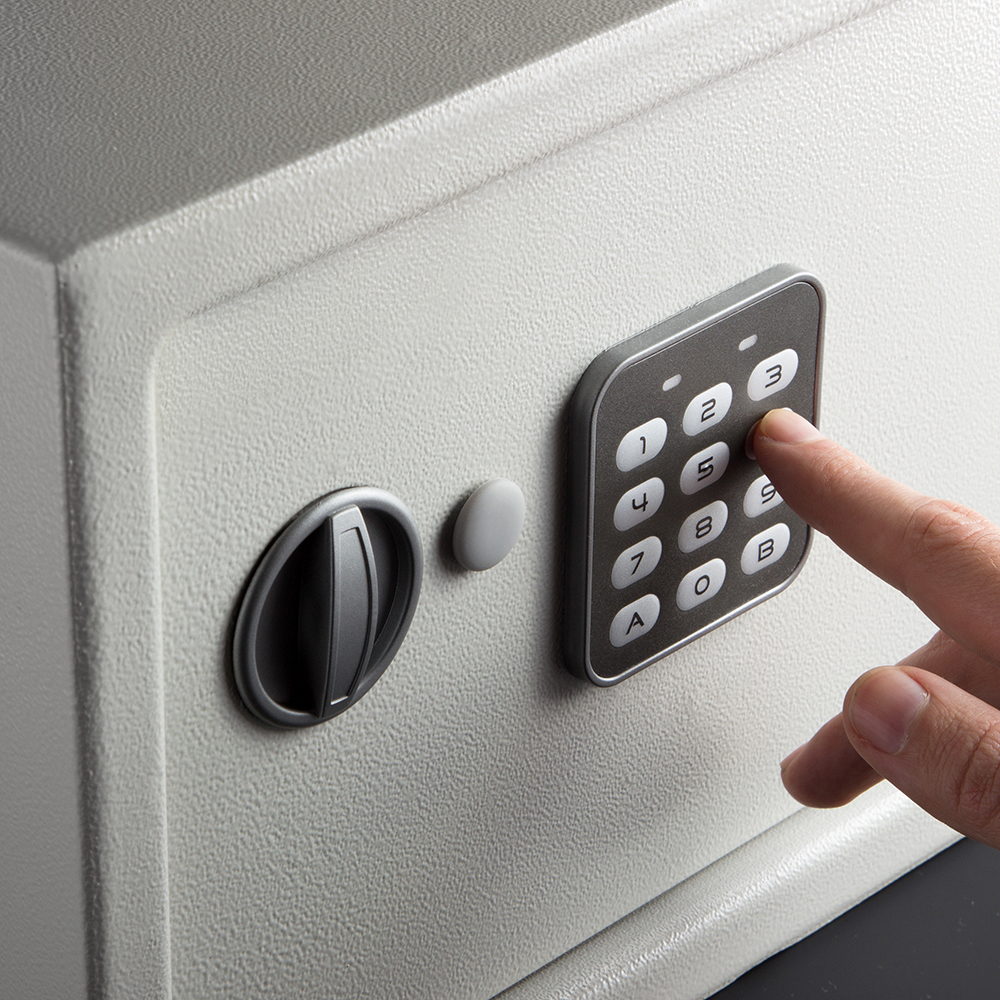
<point x="327" y="607"/>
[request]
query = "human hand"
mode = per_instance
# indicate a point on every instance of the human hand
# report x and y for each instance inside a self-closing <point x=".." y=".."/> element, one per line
<point x="929" y="725"/>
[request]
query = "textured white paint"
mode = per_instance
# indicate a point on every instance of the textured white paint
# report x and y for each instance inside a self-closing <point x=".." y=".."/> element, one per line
<point x="411" y="309"/>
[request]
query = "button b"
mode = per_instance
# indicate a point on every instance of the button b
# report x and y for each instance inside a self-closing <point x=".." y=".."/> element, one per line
<point x="765" y="549"/>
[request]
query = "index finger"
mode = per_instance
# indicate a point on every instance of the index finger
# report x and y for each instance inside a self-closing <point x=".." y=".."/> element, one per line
<point x="942" y="555"/>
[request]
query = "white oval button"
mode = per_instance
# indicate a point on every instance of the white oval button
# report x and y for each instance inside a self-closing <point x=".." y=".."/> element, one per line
<point x="704" y="468"/>
<point x="641" y="444"/>
<point x="765" y="549"/>
<point x="635" y="619"/>
<point x="707" y="408"/>
<point x="701" y="584"/>
<point x="638" y="504"/>
<point x="636" y="562"/>
<point x="702" y="527"/>
<point x="760" y="496"/>
<point x="772" y="374"/>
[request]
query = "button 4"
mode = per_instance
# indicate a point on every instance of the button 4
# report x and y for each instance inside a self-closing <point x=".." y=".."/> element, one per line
<point x="638" y="504"/>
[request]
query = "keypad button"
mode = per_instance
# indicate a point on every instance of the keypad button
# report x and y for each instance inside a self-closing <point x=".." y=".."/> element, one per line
<point x="761" y="496"/>
<point x="701" y="584"/>
<point x="641" y="444"/>
<point x="638" y="504"/>
<point x="765" y="549"/>
<point x="635" y="619"/>
<point x="702" y="527"/>
<point x="636" y="562"/>
<point x="772" y="374"/>
<point x="707" y="408"/>
<point x="704" y="468"/>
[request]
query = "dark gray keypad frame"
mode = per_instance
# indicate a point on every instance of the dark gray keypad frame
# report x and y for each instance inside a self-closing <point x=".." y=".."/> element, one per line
<point x="623" y="389"/>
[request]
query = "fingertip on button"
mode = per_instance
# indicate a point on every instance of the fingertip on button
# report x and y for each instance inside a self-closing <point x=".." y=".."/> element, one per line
<point x="489" y="525"/>
<point x="748" y="443"/>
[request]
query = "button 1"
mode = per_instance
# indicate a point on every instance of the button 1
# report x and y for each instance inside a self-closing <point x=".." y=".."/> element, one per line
<point x="641" y="444"/>
<point x="701" y="584"/>
<point x="765" y="549"/>
<point x="707" y="408"/>
<point x="702" y="527"/>
<point x="772" y="374"/>
<point x="760" y="496"/>
<point x="638" y="504"/>
<point x="635" y="619"/>
<point x="636" y="561"/>
<point x="704" y="468"/>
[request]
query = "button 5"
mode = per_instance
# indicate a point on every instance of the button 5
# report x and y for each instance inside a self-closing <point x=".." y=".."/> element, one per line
<point x="704" y="468"/>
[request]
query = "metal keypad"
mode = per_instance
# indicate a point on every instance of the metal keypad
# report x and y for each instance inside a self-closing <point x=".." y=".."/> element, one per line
<point x="673" y="529"/>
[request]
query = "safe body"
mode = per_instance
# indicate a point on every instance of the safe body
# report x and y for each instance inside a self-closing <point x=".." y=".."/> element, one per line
<point x="381" y="251"/>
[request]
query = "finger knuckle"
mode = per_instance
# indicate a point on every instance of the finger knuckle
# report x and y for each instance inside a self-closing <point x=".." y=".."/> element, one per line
<point x="977" y="790"/>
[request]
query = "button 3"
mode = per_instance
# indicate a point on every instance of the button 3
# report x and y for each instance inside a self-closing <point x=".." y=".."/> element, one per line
<point x="772" y="374"/>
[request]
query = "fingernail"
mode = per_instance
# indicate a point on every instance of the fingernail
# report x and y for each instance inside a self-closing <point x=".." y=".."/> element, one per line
<point x="784" y="764"/>
<point x="883" y="708"/>
<point x="788" y="427"/>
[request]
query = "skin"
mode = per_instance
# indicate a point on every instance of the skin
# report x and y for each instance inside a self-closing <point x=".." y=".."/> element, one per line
<point x="929" y="724"/>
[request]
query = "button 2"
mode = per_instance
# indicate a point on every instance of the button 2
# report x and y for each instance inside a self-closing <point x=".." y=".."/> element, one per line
<point x="701" y="584"/>
<point x="703" y="526"/>
<point x="707" y="408"/>
<point x="772" y="374"/>
<point x="634" y="620"/>
<point x="641" y="444"/>
<point x="636" y="562"/>
<point x="765" y="549"/>
<point x="704" y="468"/>
<point x="638" y="504"/>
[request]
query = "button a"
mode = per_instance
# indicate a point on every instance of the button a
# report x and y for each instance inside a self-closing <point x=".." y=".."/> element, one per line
<point x="634" y="620"/>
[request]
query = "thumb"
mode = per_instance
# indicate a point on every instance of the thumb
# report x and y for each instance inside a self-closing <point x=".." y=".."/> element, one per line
<point x="935" y="742"/>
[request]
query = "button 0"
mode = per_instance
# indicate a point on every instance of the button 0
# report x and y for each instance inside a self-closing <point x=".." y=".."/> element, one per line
<point x="635" y="619"/>
<point x="638" y="504"/>
<point x="704" y="468"/>
<point x="702" y="527"/>
<point x="760" y="496"/>
<point x="701" y="584"/>
<point x="641" y="444"/>
<point x="707" y="408"/>
<point x="765" y="549"/>
<point x="636" y="562"/>
<point x="772" y="374"/>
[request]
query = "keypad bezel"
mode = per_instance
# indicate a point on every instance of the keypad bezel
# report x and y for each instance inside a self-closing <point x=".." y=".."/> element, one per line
<point x="622" y="389"/>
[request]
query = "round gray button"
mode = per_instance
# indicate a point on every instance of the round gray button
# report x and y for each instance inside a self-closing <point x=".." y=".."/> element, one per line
<point x="489" y="524"/>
